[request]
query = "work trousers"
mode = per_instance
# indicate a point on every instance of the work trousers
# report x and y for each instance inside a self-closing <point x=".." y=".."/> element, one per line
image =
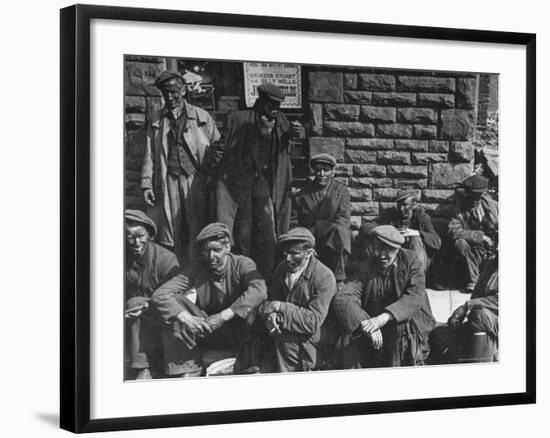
<point x="470" y="256"/>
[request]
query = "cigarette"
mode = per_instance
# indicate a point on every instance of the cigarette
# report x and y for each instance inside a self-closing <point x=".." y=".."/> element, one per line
<point x="273" y="329"/>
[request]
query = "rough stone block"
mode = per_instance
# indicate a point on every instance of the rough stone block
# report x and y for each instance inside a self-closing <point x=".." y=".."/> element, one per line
<point x="437" y="195"/>
<point x="349" y="129"/>
<point x="376" y="82"/>
<point x="436" y="100"/>
<point x="369" y="143"/>
<point x="394" y="99"/>
<point x="448" y="175"/>
<point x="394" y="130"/>
<point x="373" y="170"/>
<point x="377" y="114"/>
<point x="341" y="112"/>
<point x="393" y="157"/>
<point x="360" y="157"/>
<point x="411" y="145"/>
<point x="386" y="205"/>
<point x="428" y="157"/>
<point x="317" y="117"/>
<point x="429" y="208"/>
<point x="135" y="143"/>
<point x="401" y="183"/>
<point x="326" y="87"/>
<point x="489" y="157"/>
<point x="342" y="180"/>
<point x="461" y="152"/>
<point x="408" y="171"/>
<point x="425" y="131"/>
<point x="360" y="194"/>
<point x="457" y="124"/>
<point x="438" y="146"/>
<point x="364" y="208"/>
<point x="350" y="81"/>
<point x="370" y="182"/>
<point x="329" y="145"/>
<point x="358" y="97"/>
<point x="343" y="170"/>
<point x="135" y="104"/>
<point x="428" y="84"/>
<point x="140" y="78"/>
<point x="465" y="93"/>
<point x="134" y="121"/>
<point x="386" y="194"/>
<point x="416" y="115"/>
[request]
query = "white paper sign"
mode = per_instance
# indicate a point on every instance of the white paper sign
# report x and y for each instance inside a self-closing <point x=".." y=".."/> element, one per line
<point x="286" y="76"/>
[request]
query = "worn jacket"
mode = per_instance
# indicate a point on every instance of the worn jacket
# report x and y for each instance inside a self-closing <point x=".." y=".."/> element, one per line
<point x="328" y="220"/>
<point x="412" y="303"/>
<point x="235" y="163"/>
<point x="420" y="221"/>
<point x="485" y="293"/>
<point x="245" y="285"/>
<point x="305" y="307"/>
<point x="463" y="225"/>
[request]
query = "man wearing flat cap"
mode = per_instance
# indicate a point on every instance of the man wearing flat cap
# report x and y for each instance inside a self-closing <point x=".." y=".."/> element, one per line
<point x="414" y="224"/>
<point x="252" y="173"/>
<point x="323" y="206"/>
<point x="473" y="228"/>
<point x="174" y="167"/>
<point x="214" y="301"/>
<point x="148" y="265"/>
<point x="384" y="309"/>
<point x="300" y="293"/>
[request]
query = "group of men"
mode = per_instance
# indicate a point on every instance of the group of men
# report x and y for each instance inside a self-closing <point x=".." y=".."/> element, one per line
<point x="227" y="258"/>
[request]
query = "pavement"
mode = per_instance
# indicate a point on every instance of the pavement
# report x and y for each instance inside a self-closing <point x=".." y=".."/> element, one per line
<point x="444" y="302"/>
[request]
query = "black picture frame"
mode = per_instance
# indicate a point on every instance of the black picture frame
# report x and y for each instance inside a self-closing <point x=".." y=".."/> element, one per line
<point x="75" y="216"/>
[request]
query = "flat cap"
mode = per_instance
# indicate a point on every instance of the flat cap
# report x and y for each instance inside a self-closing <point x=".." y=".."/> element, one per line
<point x="166" y="76"/>
<point x="322" y="158"/>
<point x="298" y="234"/>
<point x="476" y="184"/>
<point x="141" y="218"/>
<point x="365" y="230"/>
<point x="404" y="194"/>
<point x="271" y="91"/>
<point x="213" y="231"/>
<point x="389" y="235"/>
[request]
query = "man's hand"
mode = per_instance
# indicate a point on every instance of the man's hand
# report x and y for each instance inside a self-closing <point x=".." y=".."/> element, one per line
<point x="487" y="241"/>
<point x="218" y="319"/>
<point x="369" y="326"/>
<point x="149" y="197"/>
<point x="272" y="325"/>
<point x="272" y="306"/>
<point x="376" y="340"/>
<point x="409" y="232"/>
<point x="298" y="132"/>
<point x="136" y="311"/>
<point x="195" y="324"/>
<point x="457" y="317"/>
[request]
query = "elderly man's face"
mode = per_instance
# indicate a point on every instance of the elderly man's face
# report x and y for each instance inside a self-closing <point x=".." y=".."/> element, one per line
<point x="473" y="199"/>
<point x="296" y="255"/>
<point x="173" y="91"/>
<point x="137" y="237"/>
<point x="269" y="107"/>
<point x="214" y="253"/>
<point x="384" y="254"/>
<point x="405" y="207"/>
<point x="323" y="173"/>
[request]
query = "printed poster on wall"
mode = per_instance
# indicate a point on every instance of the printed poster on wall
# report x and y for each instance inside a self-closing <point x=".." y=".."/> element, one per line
<point x="286" y="76"/>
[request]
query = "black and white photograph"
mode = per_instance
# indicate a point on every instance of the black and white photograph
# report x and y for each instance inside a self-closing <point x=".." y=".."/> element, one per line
<point x="283" y="217"/>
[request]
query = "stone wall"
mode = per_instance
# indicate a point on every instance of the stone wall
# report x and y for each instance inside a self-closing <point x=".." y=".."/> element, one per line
<point x="391" y="129"/>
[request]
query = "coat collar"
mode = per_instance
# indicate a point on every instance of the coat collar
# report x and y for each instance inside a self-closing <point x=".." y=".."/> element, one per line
<point x="191" y="111"/>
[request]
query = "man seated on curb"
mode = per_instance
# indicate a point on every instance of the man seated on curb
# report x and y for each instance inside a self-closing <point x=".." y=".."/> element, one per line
<point x="414" y="224"/>
<point x="214" y="303"/>
<point x="299" y="298"/>
<point x="475" y="323"/>
<point x="148" y="265"/>
<point x="323" y="206"/>
<point x="384" y="308"/>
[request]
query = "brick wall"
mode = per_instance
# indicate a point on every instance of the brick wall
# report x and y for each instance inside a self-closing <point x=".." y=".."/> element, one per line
<point x="393" y="129"/>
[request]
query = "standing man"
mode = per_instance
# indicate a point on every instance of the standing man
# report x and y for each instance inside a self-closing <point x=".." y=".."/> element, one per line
<point x="384" y="309"/>
<point x="252" y="171"/>
<point x="414" y="224"/>
<point x="471" y="228"/>
<point x="148" y="265"/>
<point x="323" y="206"/>
<point x="214" y="301"/>
<point x="174" y="167"/>
<point x="299" y="298"/>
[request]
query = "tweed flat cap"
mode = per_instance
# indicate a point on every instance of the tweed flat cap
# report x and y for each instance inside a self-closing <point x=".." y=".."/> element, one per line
<point x="271" y="91"/>
<point x="404" y="194"/>
<point x="141" y="218"/>
<point x="389" y="235"/>
<point x="365" y="230"/>
<point x="476" y="184"/>
<point x="322" y="158"/>
<point x="213" y="231"/>
<point x="298" y="234"/>
<point x="166" y="76"/>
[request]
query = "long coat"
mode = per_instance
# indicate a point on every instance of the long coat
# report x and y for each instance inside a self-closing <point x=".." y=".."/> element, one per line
<point x="235" y="164"/>
<point x="411" y="306"/>
<point x="328" y="220"/>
